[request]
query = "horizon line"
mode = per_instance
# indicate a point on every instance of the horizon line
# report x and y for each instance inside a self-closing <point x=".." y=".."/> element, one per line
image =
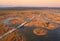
<point x="25" y="6"/>
<point x="30" y="6"/>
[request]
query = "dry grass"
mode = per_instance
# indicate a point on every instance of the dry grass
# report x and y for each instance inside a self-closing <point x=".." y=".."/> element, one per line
<point x="27" y="14"/>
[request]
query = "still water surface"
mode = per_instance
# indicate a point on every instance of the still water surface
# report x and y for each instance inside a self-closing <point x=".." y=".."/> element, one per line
<point x="27" y="32"/>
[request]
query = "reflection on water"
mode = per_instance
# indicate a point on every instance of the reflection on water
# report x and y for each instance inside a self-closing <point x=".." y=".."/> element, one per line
<point x="27" y="32"/>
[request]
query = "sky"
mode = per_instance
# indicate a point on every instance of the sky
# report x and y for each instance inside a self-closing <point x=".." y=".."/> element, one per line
<point x="37" y="3"/>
